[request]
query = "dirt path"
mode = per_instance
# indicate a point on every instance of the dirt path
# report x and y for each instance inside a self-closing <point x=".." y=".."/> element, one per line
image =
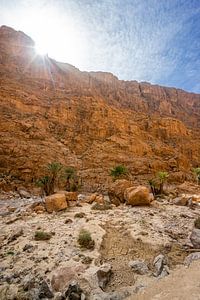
<point x="119" y="248"/>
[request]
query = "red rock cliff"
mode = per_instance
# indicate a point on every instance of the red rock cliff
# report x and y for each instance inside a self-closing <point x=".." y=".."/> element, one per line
<point x="51" y="111"/>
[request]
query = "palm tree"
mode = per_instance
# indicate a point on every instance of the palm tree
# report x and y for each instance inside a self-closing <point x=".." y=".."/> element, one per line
<point x="69" y="174"/>
<point x="196" y="171"/>
<point x="118" y="171"/>
<point x="44" y="183"/>
<point x="162" y="177"/>
<point x="54" y="170"/>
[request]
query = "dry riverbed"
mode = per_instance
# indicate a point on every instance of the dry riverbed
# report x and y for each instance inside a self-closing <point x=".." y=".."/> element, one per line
<point x="121" y="234"/>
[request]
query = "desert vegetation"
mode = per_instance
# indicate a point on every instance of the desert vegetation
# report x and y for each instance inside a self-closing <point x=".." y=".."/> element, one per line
<point x="57" y="174"/>
<point x="157" y="184"/>
<point x="196" y="172"/>
<point x="85" y="240"/>
<point x="119" y="171"/>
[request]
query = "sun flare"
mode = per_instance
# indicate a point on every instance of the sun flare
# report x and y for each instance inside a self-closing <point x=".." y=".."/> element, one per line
<point x="55" y="35"/>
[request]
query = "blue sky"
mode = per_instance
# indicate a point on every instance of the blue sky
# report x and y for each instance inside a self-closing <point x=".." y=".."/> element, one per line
<point x="146" y="40"/>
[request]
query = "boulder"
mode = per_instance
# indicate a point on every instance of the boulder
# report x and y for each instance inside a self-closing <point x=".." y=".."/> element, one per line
<point x="117" y="189"/>
<point x="45" y="291"/>
<point x="103" y="275"/>
<point x="24" y="194"/>
<point x="139" y="267"/>
<point x="62" y="277"/>
<point x="195" y="238"/>
<point x="160" y="265"/>
<point x="55" y="202"/>
<point x="138" y="196"/>
<point x="191" y="257"/>
<point x="74" y="292"/>
<point x="70" y="196"/>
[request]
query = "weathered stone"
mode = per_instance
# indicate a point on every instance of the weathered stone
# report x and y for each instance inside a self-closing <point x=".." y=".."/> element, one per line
<point x="182" y="201"/>
<point x="24" y="194"/>
<point x="62" y="277"/>
<point x="104" y="274"/>
<point x="139" y="267"/>
<point x="160" y="265"/>
<point x="138" y="196"/>
<point x="192" y="257"/>
<point x="74" y="292"/>
<point x="55" y="202"/>
<point x="195" y="238"/>
<point x="45" y="291"/>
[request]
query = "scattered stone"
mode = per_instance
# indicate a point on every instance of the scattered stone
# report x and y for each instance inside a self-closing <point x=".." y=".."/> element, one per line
<point x="160" y="265"/>
<point x="74" y="292"/>
<point x="17" y="233"/>
<point x="103" y="275"/>
<point x="139" y="267"/>
<point x="191" y="257"/>
<point x="45" y="291"/>
<point x="28" y="248"/>
<point x="24" y="194"/>
<point x="55" y="202"/>
<point x="195" y="238"/>
<point x="181" y="201"/>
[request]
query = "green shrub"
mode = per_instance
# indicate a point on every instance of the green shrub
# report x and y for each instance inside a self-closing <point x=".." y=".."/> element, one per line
<point x="118" y="171"/>
<point x="196" y="171"/>
<point x="42" y="236"/>
<point x="85" y="240"/>
<point x="72" y="181"/>
<point x="44" y="183"/>
<point x="197" y="223"/>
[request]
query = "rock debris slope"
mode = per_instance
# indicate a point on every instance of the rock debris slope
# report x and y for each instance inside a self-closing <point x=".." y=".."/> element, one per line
<point x="51" y="111"/>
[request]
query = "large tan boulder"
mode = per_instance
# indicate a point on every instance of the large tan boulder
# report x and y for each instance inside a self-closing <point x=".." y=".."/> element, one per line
<point x="70" y="196"/>
<point x="138" y="196"/>
<point x="55" y="202"/>
<point x="117" y="189"/>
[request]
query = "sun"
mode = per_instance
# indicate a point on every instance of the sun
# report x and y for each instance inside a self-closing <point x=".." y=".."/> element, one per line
<point x="55" y="34"/>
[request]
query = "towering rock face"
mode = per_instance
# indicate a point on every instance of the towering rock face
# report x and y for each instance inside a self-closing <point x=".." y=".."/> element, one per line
<point x="51" y="111"/>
